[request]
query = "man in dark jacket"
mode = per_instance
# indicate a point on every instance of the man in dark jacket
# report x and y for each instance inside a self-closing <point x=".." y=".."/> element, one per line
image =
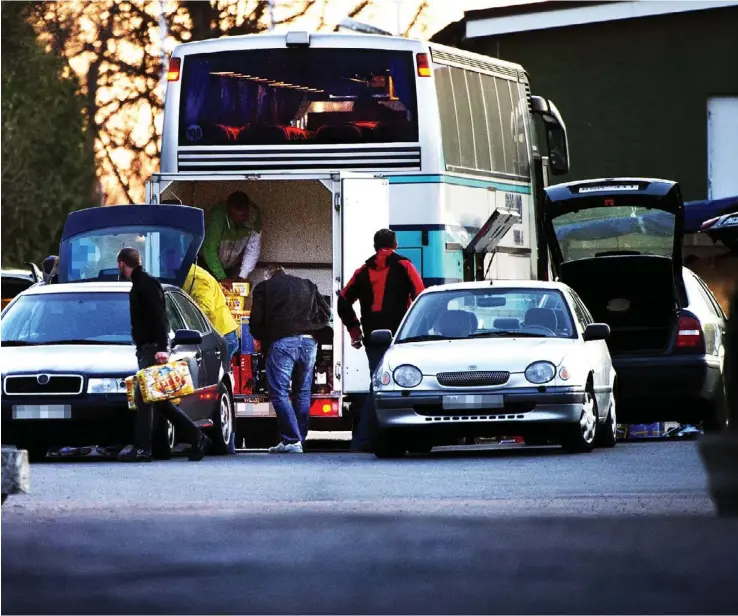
<point x="150" y="333"/>
<point x="286" y="314"/>
<point x="385" y="286"/>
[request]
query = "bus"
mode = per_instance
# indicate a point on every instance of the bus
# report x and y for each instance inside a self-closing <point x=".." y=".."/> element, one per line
<point x="334" y="135"/>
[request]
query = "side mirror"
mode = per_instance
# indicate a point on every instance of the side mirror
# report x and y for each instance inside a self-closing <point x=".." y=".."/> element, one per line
<point x="556" y="137"/>
<point x="186" y="336"/>
<point x="381" y="337"/>
<point x="596" y="331"/>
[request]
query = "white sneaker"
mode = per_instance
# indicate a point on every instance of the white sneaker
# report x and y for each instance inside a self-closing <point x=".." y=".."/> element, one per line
<point x="286" y="448"/>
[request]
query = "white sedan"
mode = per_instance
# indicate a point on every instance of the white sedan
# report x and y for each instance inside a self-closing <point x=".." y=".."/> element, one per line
<point x="495" y="358"/>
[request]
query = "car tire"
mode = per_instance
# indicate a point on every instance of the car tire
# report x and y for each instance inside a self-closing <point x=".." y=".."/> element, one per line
<point x="163" y="439"/>
<point x="580" y="437"/>
<point x="420" y="447"/>
<point x="607" y="433"/>
<point x="223" y="422"/>
<point x="388" y="444"/>
<point x="36" y="452"/>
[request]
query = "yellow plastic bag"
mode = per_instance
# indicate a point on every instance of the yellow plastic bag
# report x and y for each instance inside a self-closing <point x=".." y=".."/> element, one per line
<point x="131" y="392"/>
<point x="168" y="381"/>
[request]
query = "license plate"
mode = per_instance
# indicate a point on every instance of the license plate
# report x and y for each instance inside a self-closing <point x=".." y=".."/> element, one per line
<point x="473" y="401"/>
<point x="42" y="411"/>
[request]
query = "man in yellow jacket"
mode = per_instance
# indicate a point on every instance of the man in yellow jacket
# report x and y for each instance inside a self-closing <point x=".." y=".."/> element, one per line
<point x="207" y="293"/>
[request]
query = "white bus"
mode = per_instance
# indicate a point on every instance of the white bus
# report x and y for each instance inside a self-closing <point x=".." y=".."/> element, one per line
<point x="440" y="144"/>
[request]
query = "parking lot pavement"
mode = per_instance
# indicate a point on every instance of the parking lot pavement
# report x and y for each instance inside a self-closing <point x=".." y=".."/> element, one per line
<point x="486" y="529"/>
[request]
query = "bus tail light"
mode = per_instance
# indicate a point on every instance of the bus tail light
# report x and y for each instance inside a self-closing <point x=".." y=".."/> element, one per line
<point x="324" y="407"/>
<point x="173" y="70"/>
<point x="424" y="69"/>
<point x="690" y="338"/>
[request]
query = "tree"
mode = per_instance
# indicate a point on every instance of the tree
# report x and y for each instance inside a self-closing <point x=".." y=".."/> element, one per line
<point x="48" y="169"/>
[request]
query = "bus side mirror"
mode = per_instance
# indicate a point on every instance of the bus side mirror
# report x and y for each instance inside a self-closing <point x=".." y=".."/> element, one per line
<point x="557" y="141"/>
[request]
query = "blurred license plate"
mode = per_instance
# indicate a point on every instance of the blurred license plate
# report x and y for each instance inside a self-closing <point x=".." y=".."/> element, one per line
<point x="474" y="401"/>
<point x="42" y="411"/>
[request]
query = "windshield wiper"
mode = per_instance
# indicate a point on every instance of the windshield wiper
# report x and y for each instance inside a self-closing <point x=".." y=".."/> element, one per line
<point x="508" y="334"/>
<point x="425" y="337"/>
<point x="19" y="343"/>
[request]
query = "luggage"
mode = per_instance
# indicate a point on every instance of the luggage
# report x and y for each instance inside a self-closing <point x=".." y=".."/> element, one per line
<point x="168" y="381"/>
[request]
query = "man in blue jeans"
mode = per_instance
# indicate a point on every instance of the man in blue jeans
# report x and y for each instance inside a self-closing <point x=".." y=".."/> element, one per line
<point x="286" y="313"/>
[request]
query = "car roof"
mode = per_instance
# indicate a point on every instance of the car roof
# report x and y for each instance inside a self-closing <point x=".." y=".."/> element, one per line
<point x="497" y="284"/>
<point x="654" y="186"/>
<point x="85" y="287"/>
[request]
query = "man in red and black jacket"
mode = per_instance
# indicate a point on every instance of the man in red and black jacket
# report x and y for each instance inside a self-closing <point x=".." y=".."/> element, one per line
<point x="385" y="286"/>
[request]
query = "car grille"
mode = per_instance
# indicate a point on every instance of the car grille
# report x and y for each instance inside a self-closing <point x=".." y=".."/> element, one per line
<point x="472" y="379"/>
<point x="44" y="385"/>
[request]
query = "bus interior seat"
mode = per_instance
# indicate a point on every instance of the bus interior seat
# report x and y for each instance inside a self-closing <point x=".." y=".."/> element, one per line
<point x="506" y="323"/>
<point x="543" y="317"/>
<point x="263" y="134"/>
<point x="342" y="133"/>
<point x="387" y="132"/>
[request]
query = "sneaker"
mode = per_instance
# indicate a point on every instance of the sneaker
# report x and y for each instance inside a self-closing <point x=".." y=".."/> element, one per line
<point x="199" y="449"/>
<point x="286" y="448"/>
<point x="135" y="454"/>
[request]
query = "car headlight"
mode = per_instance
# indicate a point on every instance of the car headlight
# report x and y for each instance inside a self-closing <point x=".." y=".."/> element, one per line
<point x="540" y="372"/>
<point x="106" y="386"/>
<point x="407" y="376"/>
<point x="382" y="378"/>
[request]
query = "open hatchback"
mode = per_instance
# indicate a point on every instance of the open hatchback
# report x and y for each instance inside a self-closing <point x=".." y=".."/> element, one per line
<point x="93" y="237"/>
<point x="618" y="243"/>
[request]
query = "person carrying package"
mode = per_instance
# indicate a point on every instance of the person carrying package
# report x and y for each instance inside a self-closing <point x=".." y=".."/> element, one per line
<point x="286" y="314"/>
<point x="232" y="239"/>
<point x="150" y="333"/>
<point x="385" y="286"/>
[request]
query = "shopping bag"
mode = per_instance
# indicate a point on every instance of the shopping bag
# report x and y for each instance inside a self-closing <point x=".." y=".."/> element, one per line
<point x="168" y="381"/>
<point x="131" y="392"/>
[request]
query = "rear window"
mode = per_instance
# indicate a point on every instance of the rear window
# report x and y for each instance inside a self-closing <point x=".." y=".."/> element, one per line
<point x="596" y="231"/>
<point x="293" y="96"/>
<point x="69" y="317"/>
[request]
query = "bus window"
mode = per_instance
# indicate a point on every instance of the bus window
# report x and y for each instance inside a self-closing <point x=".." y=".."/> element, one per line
<point x="449" y="126"/>
<point x="287" y="96"/>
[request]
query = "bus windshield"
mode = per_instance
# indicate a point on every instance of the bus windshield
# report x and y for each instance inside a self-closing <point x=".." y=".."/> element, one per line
<point x="293" y="96"/>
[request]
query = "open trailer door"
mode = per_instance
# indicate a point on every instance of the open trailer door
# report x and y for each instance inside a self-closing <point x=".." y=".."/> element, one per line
<point x="364" y="207"/>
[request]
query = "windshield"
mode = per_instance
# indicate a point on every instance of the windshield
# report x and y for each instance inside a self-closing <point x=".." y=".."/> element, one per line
<point x="69" y="318"/>
<point x="479" y="313"/>
<point x="593" y="231"/>
<point x="290" y="96"/>
<point x="93" y="255"/>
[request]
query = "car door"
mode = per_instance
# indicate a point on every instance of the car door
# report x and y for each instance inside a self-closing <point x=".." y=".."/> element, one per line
<point x="597" y="355"/>
<point x="190" y="353"/>
<point x="212" y="349"/>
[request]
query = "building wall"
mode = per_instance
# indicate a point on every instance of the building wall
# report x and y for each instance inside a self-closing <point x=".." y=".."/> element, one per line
<point x="633" y="93"/>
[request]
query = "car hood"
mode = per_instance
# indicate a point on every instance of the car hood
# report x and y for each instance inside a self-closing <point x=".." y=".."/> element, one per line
<point x="509" y="354"/>
<point x="102" y="359"/>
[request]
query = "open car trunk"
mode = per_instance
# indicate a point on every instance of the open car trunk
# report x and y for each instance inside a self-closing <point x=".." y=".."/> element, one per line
<point x="617" y="243"/>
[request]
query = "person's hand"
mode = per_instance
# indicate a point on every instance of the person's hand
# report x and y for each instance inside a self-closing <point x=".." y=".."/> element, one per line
<point x="355" y="333"/>
<point x="257" y="346"/>
<point x="227" y="284"/>
<point x="161" y="357"/>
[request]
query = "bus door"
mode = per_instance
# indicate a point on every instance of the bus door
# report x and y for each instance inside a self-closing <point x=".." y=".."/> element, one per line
<point x="363" y="208"/>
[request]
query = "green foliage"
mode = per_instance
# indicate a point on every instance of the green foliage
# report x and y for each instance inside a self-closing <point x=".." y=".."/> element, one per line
<point x="47" y="163"/>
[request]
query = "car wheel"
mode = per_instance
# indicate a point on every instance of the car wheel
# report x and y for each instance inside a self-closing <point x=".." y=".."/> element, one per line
<point x="607" y="433"/>
<point x="37" y="452"/>
<point x="389" y="445"/>
<point x="580" y="437"/>
<point x="420" y="447"/>
<point x="222" y="422"/>
<point x="163" y="439"/>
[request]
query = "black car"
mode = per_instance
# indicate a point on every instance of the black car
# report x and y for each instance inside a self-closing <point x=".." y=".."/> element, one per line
<point x="618" y="243"/>
<point x="67" y="347"/>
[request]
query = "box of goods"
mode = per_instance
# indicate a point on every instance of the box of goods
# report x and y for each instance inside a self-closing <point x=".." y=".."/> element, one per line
<point x="168" y="381"/>
<point x="236" y="303"/>
<point x="652" y="430"/>
<point x="240" y="288"/>
<point x="131" y="392"/>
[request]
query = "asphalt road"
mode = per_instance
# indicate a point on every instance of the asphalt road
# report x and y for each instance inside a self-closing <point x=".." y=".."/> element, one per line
<point x="485" y="530"/>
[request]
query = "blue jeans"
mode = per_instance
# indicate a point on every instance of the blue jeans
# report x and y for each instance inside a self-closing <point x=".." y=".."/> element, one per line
<point x="367" y="423"/>
<point x="232" y="343"/>
<point x="291" y="358"/>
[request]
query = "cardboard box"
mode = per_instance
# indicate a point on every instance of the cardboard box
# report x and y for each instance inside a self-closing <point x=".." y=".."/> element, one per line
<point x="236" y="303"/>
<point x="241" y="288"/>
<point x="168" y="381"/>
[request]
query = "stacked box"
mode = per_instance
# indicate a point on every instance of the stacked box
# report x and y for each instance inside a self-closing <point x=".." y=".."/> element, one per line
<point x="238" y="299"/>
<point x="168" y="381"/>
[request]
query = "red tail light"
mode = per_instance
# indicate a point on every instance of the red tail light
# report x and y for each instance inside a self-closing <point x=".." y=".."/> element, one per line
<point x="173" y="70"/>
<point x="424" y="69"/>
<point x="689" y="335"/>
<point x="325" y="407"/>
